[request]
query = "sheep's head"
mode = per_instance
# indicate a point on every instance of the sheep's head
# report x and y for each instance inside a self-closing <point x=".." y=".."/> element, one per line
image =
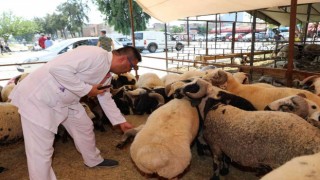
<point x="123" y="79"/>
<point x="296" y="104"/>
<point x="144" y="100"/>
<point x="241" y="77"/>
<point x="216" y="77"/>
<point x="171" y="88"/>
<point x="312" y="83"/>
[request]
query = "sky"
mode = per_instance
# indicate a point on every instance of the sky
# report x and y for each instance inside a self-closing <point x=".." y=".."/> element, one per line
<point x="39" y="8"/>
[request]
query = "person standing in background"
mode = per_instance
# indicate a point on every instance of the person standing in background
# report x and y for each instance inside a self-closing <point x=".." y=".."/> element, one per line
<point x="48" y="42"/>
<point x="105" y="42"/>
<point x="41" y="41"/>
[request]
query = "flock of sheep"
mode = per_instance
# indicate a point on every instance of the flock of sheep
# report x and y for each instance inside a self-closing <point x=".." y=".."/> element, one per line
<point x="256" y="125"/>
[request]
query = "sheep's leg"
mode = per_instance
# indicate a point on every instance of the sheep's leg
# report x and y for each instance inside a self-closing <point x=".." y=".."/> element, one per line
<point x="215" y="168"/>
<point x="224" y="165"/>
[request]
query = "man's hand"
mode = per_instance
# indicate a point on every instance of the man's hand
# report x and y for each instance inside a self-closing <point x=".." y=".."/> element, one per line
<point x="95" y="91"/>
<point x="125" y="126"/>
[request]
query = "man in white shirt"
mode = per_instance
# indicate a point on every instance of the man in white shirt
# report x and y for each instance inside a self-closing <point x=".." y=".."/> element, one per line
<point x="50" y="96"/>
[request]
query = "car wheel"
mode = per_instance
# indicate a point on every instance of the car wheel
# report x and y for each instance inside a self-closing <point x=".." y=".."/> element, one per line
<point x="179" y="46"/>
<point x="152" y="48"/>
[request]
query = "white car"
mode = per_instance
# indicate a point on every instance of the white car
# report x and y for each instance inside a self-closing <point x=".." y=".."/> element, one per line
<point x="57" y="49"/>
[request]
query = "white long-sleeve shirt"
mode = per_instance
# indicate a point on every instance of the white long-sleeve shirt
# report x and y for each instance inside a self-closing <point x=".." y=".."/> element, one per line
<point x="46" y="94"/>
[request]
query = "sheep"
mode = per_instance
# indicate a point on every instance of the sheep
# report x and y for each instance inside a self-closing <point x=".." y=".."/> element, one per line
<point x="5" y="92"/>
<point x="297" y="104"/>
<point x="163" y="144"/>
<point x="299" y="168"/>
<point x="241" y="77"/>
<point x="259" y="96"/>
<point x="10" y="124"/>
<point x="253" y="139"/>
<point x="310" y="51"/>
<point x="272" y="81"/>
<point x="123" y="79"/>
<point x="284" y="51"/>
<point x="314" y="119"/>
<point x="311" y="83"/>
<point x="149" y="80"/>
<point x="194" y="73"/>
<point x="145" y="100"/>
<point x="205" y="89"/>
<point x="118" y="95"/>
<point x="170" y="78"/>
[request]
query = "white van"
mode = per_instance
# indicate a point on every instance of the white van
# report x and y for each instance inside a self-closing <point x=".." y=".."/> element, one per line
<point x="153" y="40"/>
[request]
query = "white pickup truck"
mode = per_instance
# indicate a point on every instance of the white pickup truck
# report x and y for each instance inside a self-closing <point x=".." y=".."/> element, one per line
<point x="153" y="40"/>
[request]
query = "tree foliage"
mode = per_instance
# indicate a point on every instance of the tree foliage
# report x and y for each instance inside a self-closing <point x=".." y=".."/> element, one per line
<point x="11" y="25"/>
<point x="117" y="14"/>
<point x="177" y="29"/>
<point x="75" y="11"/>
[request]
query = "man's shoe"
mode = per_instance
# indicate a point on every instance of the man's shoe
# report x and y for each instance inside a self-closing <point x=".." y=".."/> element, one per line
<point x="108" y="163"/>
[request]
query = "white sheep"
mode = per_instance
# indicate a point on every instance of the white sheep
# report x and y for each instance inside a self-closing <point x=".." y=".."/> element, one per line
<point x="170" y="78"/>
<point x="163" y="144"/>
<point x="193" y="73"/>
<point x="10" y="123"/>
<point x="259" y="96"/>
<point x="5" y="92"/>
<point x="298" y="168"/>
<point x="297" y="104"/>
<point x="149" y="80"/>
<point x="241" y="77"/>
<point x="250" y="138"/>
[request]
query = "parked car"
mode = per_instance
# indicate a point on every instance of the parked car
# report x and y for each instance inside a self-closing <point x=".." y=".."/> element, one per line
<point x="237" y="37"/>
<point x="124" y="41"/>
<point x="225" y="36"/>
<point x="57" y="49"/>
<point x="198" y="37"/>
<point x="259" y="37"/>
<point x="154" y="40"/>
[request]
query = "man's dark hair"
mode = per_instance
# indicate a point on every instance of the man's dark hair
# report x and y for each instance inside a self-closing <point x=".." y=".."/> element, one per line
<point x="130" y="51"/>
<point x="103" y="31"/>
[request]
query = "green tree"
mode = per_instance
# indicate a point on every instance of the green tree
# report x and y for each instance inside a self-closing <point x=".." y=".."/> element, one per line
<point x="11" y="25"/>
<point x="177" y="29"/>
<point x="117" y="14"/>
<point x="75" y="11"/>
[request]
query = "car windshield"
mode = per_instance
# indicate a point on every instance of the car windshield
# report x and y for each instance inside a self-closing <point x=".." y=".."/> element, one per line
<point x="59" y="45"/>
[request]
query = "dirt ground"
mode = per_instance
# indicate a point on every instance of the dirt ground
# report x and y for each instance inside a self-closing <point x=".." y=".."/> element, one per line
<point x="68" y="164"/>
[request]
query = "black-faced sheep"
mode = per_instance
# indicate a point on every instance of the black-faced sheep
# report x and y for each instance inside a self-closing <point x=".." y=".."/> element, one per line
<point x="163" y="144"/>
<point x="299" y="168"/>
<point x="259" y="96"/>
<point x="297" y="104"/>
<point x="10" y="124"/>
<point x="146" y="100"/>
<point x="253" y="138"/>
<point x="123" y="79"/>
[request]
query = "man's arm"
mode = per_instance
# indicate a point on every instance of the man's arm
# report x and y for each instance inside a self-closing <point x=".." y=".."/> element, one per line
<point x="98" y="44"/>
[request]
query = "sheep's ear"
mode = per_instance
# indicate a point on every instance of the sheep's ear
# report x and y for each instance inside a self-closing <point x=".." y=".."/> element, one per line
<point x="302" y="95"/>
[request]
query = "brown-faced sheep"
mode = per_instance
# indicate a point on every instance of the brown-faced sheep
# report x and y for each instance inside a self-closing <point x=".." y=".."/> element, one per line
<point x="259" y="96"/>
